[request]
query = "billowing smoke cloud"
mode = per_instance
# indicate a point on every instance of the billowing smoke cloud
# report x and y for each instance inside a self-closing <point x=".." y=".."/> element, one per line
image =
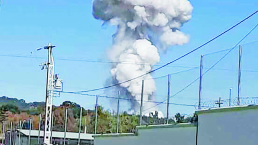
<point x="142" y="26"/>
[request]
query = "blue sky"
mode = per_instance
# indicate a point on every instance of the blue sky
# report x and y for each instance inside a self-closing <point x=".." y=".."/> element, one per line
<point x="28" y="25"/>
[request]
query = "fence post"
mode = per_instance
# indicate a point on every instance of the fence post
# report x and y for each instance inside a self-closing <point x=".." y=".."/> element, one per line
<point x="96" y="114"/>
<point x="168" y="98"/>
<point x="200" y="83"/>
<point x="80" y="127"/>
<point x="141" y="102"/>
<point x="39" y="128"/>
<point x="66" y="112"/>
<point x="19" y="140"/>
<point x="239" y="75"/>
<point x="29" y="130"/>
<point x="11" y="133"/>
<point x="117" y="124"/>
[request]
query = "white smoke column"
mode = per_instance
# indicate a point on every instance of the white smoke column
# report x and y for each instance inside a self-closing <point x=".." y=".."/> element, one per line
<point x="140" y="23"/>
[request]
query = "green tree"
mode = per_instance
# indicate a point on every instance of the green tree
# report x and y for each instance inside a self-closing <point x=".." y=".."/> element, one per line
<point x="179" y="118"/>
<point x="10" y="107"/>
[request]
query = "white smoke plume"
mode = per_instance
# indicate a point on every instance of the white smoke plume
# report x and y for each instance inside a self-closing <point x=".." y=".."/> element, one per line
<point x="142" y="26"/>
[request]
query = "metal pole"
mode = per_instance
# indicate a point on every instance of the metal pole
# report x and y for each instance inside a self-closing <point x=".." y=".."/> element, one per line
<point x="52" y="121"/>
<point x="20" y="132"/>
<point x="229" y="101"/>
<point x="168" y="97"/>
<point x="39" y="128"/>
<point x="200" y="84"/>
<point x="79" y="140"/>
<point x="96" y="114"/>
<point x="11" y="133"/>
<point x="49" y="95"/>
<point x="85" y="129"/>
<point x="117" y="124"/>
<point x="66" y="112"/>
<point x="219" y="102"/>
<point x="141" y="103"/>
<point x="3" y="133"/>
<point x="29" y="132"/>
<point x="239" y="75"/>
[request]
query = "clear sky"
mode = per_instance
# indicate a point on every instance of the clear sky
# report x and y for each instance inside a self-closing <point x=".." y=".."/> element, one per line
<point x="28" y="25"/>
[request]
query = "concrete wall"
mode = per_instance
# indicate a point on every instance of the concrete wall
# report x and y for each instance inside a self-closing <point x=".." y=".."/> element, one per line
<point x="158" y="135"/>
<point x="230" y="126"/>
<point x="224" y="126"/>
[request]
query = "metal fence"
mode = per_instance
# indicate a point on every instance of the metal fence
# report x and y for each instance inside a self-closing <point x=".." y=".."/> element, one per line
<point x="229" y="103"/>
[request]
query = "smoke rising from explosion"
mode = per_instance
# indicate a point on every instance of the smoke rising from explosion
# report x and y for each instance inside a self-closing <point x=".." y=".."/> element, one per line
<point x="142" y="26"/>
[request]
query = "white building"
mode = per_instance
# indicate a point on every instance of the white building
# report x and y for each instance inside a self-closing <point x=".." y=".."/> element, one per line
<point x="23" y="136"/>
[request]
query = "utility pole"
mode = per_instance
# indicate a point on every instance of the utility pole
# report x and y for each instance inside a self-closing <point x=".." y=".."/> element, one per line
<point x="219" y="102"/>
<point x="239" y="75"/>
<point x="66" y="112"/>
<point x="96" y="114"/>
<point x="229" y="100"/>
<point x="49" y="95"/>
<point x="168" y="98"/>
<point x="39" y="128"/>
<point x="117" y="116"/>
<point x="79" y="139"/>
<point x="52" y="124"/>
<point x="200" y="84"/>
<point x="141" y="102"/>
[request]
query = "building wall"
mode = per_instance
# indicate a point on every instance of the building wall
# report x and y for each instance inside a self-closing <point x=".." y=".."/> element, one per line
<point x="237" y="127"/>
<point x="155" y="136"/>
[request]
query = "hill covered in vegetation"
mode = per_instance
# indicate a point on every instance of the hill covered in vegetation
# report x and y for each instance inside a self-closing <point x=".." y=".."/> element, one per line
<point x="15" y="110"/>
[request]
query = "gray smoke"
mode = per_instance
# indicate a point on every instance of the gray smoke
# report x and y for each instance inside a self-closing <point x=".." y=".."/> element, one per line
<point x="141" y="26"/>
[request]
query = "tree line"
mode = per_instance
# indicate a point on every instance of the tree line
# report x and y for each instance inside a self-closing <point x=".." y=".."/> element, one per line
<point x="106" y="123"/>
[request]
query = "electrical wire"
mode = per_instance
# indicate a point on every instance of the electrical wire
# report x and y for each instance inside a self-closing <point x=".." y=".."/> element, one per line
<point x="191" y="67"/>
<point x="174" y="73"/>
<point x="97" y="89"/>
<point x="211" y="66"/>
<point x="228" y="49"/>
<point x="128" y="99"/>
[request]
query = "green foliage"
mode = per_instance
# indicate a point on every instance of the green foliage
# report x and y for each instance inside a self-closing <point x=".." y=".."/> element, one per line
<point x="107" y="122"/>
<point x="10" y="107"/>
<point x="21" y="104"/>
<point x="75" y="107"/>
<point x="35" y="111"/>
<point x="180" y="118"/>
<point x="194" y="119"/>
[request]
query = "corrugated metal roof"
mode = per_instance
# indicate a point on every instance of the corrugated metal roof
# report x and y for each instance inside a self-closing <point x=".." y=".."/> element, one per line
<point x="69" y="135"/>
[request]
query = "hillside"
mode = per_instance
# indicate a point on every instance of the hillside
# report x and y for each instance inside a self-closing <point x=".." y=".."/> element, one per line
<point x="20" y="103"/>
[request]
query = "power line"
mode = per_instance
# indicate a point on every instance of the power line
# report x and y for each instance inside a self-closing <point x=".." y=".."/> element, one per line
<point x="174" y="59"/>
<point x="128" y="99"/>
<point x="165" y="76"/>
<point x="174" y="94"/>
<point x="180" y="66"/>
<point x="216" y="52"/>
<point x="211" y="66"/>
<point x="228" y="49"/>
